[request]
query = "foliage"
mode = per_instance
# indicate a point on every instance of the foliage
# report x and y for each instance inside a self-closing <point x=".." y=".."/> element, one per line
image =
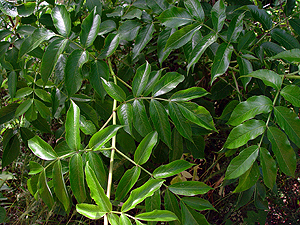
<point x="115" y="84"/>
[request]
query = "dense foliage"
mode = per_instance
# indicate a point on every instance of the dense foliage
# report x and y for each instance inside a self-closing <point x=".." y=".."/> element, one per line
<point x="115" y="101"/>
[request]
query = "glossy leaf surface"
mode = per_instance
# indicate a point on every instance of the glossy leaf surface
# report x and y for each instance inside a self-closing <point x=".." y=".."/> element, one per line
<point x="289" y="122"/>
<point x="189" y="188"/>
<point x="241" y="163"/>
<point x="248" y="109"/>
<point x="72" y="127"/>
<point x="41" y="148"/>
<point x="241" y="134"/>
<point x="157" y="215"/>
<point x="283" y="151"/>
<point x="97" y="192"/>
<point x="91" y="211"/>
<point x="141" y="121"/>
<point x="144" y="150"/>
<point x="269" y="168"/>
<point x="139" y="194"/>
<point x="103" y="136"/>
<point x="61" y="20"/>
<point x="127" y="181"/>
<point x="167" y="83"/>
<point x="171" y="169"/>
<point x="77" y="177"/>
<point x="292" y="94"/>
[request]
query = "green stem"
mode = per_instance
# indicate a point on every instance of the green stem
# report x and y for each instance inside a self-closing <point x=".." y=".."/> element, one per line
<point x="237" y="86"/>
<point x="269" y="117"/>
<point x="133" y="162"/>
<point x="112" y="154"/>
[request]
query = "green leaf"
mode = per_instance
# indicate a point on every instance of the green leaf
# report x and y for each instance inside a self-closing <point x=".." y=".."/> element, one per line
<point x="140" y="79"/>
<point x="157" y="215"/>
<point x="129" y="30"/>
<point x="73" y="77"/>
<point x="35" y="168"/>
<point x="269" y="169"/>
<point x="189" y="188"/>
<point x="283" y="151"/>
<point x="171" y="169"/>
<point x="143" y="151"/>
<point x="86" y="126"/>
<point x="218" y="15"/>
<point x="180" y="121"/>
<point x="291" y="93"/>
<point x="160" y="121"/>
<point x="191" y="217"/>
<point x="157" y="5"/>
<point x="23" y="107"/>
<point x="124" y="220"/>
<point x="91" y="211"/>
<point x="114" y="90"/>
<point x="89" y="29"/>
<point x="181" y="37"/>
<point x="271" y="48"/>
<point x="144" y="36"/>
<point x="245" y="67"/>
<point x="269" y="77"/>
<point x="44" y="190"/>
<point x="197" y="114"/>
<point x="11" y="151"/>
<point x="139" y="194"/>
<point x="99" y="69"/>
<point x="40" y="123"/>
<point x="188" y="94"/>
<point x="141" y="121"/>
<point x="247" y="40"/>
<point x="195" y="9"/>
<point x="89" y="112"/>
<point x="163" y="37"/>
<point x="76" y="176"/>
<point x="248" y="109"/>
<point x="97" y="192"/>
<point x="34" y="40"/>
<point x="171" y="203"/>
<point x="295" y="24"/>
<point x="261" y="16"/>
<point x="221" y="61"/>
<point x="235" y="28"/>
<point x="198" y="203"/>
<point x="72" y="127"/>
<point x="125" y="115"/>
<point x="111" y="43"/>
<point x="63" y="149"/>
<point x="61" y="20"/>
<point x="8" y="9"/>
<point x="103" y="136"/>
<point x="12" y="83"/>
<point x="113" y="219"/>
<point x="200" y="48"/>
<point x="248" y="179"/>
<point x="95" y="162"/>
<point x="241" y="163"/>
<point x="167" y="83"/>
<point x="153" y="79"/>
<point x="50" y="57"/>
<point x="41" y="148"/>
<point x="23" y="92"/>
<point x="59" y="185"/>
<point x="40" y="106"/>
<point x="285" y="39"/>
<point x="44" y="95"/>
<point x="127" y="181"/>
<point x="228" y="110"/>
<point x="106" y="26"/>
<point x="289" y="122"/>
<point x="292" y="56"/>
<point x="241" y="134"/>
<point x="134" y="13"/>
<point x="175" y="17"/>
<point x="8" y="112"/>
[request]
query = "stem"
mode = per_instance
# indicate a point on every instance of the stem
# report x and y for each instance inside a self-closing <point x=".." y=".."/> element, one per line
<point x="269" y="117"/>
<point x="133" y="162"/>
<point x="112" y="154"/>
<point x="237" y="86"/>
